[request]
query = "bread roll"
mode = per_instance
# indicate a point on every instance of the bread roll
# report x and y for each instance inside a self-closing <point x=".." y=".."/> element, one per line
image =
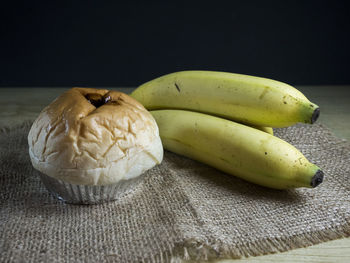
<point x="94" y="137"/>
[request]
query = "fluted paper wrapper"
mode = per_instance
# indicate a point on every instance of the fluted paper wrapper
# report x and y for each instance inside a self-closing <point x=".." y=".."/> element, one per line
<point x="88" y="194"/>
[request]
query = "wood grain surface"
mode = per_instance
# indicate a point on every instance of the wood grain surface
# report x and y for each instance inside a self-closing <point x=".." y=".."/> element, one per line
<point x="24" y="104"/>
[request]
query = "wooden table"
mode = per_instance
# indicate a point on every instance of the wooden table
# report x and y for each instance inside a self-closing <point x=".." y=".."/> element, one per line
<point x="21" y="104"/>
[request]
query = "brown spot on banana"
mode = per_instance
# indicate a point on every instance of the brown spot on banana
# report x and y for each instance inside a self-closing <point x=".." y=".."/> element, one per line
<point x="262" y="95"/>
<point x="177" y="87"/>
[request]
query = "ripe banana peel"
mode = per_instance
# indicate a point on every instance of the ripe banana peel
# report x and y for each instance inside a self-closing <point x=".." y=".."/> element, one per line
<point x="236" y="149"/>
<point x="242" y="98"/>
<point x="269" y="130"/>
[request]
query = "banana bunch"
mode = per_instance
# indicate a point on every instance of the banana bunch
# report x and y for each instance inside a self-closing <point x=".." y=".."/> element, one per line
<point x="225" y="120"/>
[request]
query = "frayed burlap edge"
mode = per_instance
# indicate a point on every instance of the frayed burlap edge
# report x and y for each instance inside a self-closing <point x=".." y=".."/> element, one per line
<point x="201" y="250"/>
<point x="194" y="250"/>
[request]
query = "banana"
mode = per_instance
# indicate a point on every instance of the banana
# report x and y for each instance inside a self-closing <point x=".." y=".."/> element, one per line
<point x="242" y="98"/>
<point x="269" y="130"/>
<point x="236" y="149"/>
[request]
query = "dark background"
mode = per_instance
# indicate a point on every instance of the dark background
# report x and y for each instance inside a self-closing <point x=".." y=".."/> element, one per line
<point x="94" y="43"/>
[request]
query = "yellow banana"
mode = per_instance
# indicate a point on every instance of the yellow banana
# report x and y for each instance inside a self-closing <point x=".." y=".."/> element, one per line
<point x="246" y="99"/>
<point x="269" y="130"/>
<point x="236" y="149"/>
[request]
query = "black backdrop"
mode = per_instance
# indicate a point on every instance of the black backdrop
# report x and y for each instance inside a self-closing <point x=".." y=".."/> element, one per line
<point x="100" y="43"/>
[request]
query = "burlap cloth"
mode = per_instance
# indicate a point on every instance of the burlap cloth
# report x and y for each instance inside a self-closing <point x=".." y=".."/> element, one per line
<point x="182" y="210"/>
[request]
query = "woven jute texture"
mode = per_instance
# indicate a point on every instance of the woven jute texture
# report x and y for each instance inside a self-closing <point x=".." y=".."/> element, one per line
<point x="181" y="210"/>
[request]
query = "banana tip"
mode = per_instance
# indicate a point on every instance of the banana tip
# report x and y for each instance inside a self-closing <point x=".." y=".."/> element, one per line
<point x="317" y="178"/>
<point x="315" y="115"/>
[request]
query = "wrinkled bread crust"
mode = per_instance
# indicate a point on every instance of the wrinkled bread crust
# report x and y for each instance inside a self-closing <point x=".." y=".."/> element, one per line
<point x="74" y="141"/>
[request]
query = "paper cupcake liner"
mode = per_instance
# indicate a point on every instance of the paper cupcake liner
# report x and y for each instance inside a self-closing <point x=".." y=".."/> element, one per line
<point x="88" y="194"/>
